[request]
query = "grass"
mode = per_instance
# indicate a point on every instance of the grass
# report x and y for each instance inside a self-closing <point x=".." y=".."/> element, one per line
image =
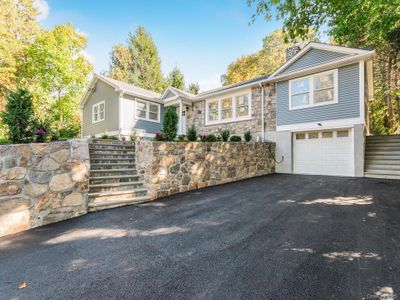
<point x="5" y="141"/>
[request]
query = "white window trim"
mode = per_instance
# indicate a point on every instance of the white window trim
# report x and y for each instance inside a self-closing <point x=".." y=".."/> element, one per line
<point x="234" y="118"/>
<point x="147" y="118"/>
<point x="311" y="90"/>
<point x="98" y="112"/>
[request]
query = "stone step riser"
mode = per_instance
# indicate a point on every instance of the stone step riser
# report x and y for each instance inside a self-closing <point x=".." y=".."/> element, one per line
<point x="111" y="181"/>
<point x="94" y="199"/>
<point x="391" y="153"/>
<point x="112" y="160"/>
<point x="384" y="172"/>
<point x="382" y="176"/>
<point x="103" y="173"/>
<point x="384" y="146"/>
<point x="117" y="188"/>
<point x="117" y="203"/>
<point x="379" y="142"/>
<point x="113" y="167"/>
<point x="382" y="162"/>
<point x="371" y="157"/>
<point x="374" y="166"/>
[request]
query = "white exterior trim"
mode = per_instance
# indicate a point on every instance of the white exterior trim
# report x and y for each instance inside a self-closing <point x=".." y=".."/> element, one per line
<point x="311" y="90"/>
<point x="321" y="125"/>
<point x="362" y="91"/>
<point x="147" y="118"/>
<point x="234" y="117"/>
<point x="98" y="111"/>
<point x="319" y="46"/>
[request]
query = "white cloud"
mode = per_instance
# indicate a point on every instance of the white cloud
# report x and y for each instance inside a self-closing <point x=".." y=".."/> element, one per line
<point x="210" y="83"/>
<point x="81" y="32"/>
<point x="43" y="9"/>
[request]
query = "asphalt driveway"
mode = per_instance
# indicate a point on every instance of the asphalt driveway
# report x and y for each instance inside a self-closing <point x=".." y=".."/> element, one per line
<point x="272" y="237"/>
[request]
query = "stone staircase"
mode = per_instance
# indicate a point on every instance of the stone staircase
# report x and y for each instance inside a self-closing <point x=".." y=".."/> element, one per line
<point x="382" y="157"/>
<point x="114" y="180"/>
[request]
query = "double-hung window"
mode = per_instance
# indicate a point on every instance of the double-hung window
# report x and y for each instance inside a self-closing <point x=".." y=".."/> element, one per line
<point x="318" y="89"/>
<point x="98" y="112"/>
<point x="228" y="109"/>
<point x="147" y="111"/>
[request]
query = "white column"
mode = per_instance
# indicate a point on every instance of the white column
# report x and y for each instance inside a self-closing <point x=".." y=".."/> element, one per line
<point x="180" y="118"/>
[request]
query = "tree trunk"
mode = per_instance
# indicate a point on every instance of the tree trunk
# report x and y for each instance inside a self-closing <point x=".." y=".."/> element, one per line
<point x="388" y="95"/>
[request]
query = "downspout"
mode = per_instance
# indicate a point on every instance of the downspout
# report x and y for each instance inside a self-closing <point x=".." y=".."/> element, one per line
<point x="262" y="113"/>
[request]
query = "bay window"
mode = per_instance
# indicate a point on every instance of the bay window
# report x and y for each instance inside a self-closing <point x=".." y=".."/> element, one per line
<point x="318" y="89"/>
<point x="228" y="109"/>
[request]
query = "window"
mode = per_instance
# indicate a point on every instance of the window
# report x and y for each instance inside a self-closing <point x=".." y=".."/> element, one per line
<point x="98" y="112"/>
<point x="300" y="136"/>
<point x="327" y="134"/>
<point x="342" y="133"/>
<point x="312" y="135"/>
<point x="153" y="112"/>
<point x="228" y="109"/>
<point x="213" y="111"/>
<point x="315" y="90"/>
<point x="147" y="111"/>
<point x="242" y="106"/>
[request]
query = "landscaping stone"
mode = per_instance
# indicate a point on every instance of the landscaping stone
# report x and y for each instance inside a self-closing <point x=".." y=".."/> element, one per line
<point x="172" y="167"/>
<point x="42" y="183"/>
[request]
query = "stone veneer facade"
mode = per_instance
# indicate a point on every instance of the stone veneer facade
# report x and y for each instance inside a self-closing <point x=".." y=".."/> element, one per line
<point x="196" y="115"/>
<point x="42" y="183"/>
<point x="171" y="167"/>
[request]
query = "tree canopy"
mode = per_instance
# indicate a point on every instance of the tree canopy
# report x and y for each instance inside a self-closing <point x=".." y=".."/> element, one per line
<point x="138" y="63"/>
<point x="266" y="60"/>
<point x="353" y="23"/>
<point x="176" y="79"/>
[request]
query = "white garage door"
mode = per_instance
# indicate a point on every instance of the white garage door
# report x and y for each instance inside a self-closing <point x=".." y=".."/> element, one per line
<point x="328" y="152"/>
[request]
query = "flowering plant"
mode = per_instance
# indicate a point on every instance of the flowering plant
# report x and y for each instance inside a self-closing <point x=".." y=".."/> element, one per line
<point x="40" y="133"/>
<point x="159" y="136"/>
<point x="202" y="137"/>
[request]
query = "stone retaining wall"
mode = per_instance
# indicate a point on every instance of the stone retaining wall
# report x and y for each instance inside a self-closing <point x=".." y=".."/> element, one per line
<point x="172" y="167"/>
<point x="42" y="183"/>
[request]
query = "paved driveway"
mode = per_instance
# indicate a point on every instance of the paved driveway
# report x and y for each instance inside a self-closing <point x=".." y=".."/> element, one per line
<point x="272" y="237"/>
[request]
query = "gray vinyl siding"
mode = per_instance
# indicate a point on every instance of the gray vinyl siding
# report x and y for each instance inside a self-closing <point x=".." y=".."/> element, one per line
<point x="148" y="126"/>
<point x="169" y="95"/>
<point x="348" y="105"/>
<point x="106" y="93"/>
<point x="312" y="58"/>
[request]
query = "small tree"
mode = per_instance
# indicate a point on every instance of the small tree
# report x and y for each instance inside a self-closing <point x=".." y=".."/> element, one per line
<point x="247" y="136"/>
<point x="170" y="124"/>
<point x="18" y="116"/>
<point x="192" y="134"/>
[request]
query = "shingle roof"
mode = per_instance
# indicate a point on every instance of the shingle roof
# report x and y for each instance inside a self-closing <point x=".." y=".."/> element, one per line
<point x="230" y="86"/>
<point x="182" y="93"/>
<point x="130" y="88"/>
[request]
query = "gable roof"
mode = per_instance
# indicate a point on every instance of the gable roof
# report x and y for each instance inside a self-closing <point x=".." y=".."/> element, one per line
<point x="120" y="87"/>
<point x="176" y="93"/>
<point x="348" y="52"/>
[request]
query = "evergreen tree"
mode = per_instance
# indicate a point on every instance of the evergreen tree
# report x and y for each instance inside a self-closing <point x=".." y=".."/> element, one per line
<point x="18" y="116"/>
<point x="194" y="88"/>
<point x="121" y="62"/>
<point x="146" y="64"/>
<point x="176" y="79"/>
<point x="170" y="124"/>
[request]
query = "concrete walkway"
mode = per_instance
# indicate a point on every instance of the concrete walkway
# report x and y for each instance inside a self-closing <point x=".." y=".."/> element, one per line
<point x="272" y="237"/>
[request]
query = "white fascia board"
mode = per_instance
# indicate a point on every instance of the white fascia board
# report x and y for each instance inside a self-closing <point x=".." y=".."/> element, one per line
<point x="321" y="125"/>
<point x="87" y="93"/>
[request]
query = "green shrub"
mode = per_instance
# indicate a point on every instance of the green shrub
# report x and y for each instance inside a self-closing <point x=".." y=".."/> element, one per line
<point x="133" y="136"/>
<point x="19" y="116"/>
<point x="211" y="138"/>
<point x="181" y="138"/>
<point x="170" y="124"/>
<point x="235" y="138"/>
<point x="247" y="136"/>
<point x="219" y="138"/>
<point x="192" y="134"/>
<point x="70" y="130"/>
<point x="105" y="136"/>
<point x="225" y="135"/>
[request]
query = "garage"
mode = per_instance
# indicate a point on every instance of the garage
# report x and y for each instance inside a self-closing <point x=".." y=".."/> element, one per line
<point x="327" y="152"/>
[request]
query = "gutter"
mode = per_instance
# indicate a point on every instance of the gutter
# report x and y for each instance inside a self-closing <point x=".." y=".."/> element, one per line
<point x="262" y="113"/>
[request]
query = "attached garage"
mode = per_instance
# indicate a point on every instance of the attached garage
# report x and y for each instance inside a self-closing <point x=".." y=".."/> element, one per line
<point x="328" y="152"/>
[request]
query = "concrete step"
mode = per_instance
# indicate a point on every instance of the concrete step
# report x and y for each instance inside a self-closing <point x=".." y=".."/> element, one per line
<point x="384" y="147"/>
<point x="112" y="166"/>
<point x="378" y="152"/>
<point x="111" y="159"/>
<point x="389" y="136"/>
<point x="382" y="176"/>
<point x="119" y="145"/>
<point x="106" y="141"/>
<point x="383" y="161"/>
<point x="114" y="179"/>
<point x="370" y="156"/>
<point x="384" y="172"/>
<point x="119" y="186"/>
<point x="113" y="195"/>
<point x="112" y="152"/>
<point x="111" y="155"/>
<point x="116" y="203"/>
<point x="383" y="141"/>
<point x="112" y="172"/>
<point x="375" y="166"/>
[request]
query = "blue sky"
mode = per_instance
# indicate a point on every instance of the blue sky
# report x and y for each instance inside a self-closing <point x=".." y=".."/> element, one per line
<point x="200" y="37"/>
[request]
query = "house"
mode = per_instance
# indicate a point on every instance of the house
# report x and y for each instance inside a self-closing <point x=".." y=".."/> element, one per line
<point x="313" y="107"/>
